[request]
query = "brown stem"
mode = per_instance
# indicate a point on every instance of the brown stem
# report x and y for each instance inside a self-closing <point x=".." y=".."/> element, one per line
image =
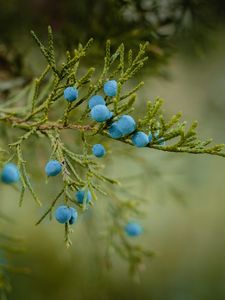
<point x="17" y="122"/>
<point x="28" y="125"/>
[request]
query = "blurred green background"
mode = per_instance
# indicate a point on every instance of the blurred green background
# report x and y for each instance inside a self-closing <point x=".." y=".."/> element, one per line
<point x="185" y="215"/>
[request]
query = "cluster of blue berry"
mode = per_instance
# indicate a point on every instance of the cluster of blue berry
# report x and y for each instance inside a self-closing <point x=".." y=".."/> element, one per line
<point x="122" y="127"/>
<point x="64" y="214"/>
<point x="10" y="174"/>
<point x="126" y="125"/>
<point x="99" y="112"/>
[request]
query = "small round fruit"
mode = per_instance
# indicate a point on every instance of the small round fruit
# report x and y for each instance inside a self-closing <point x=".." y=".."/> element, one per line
<point x="98" y="150"/>
<point x="110" y="88"/>
<point x="126" y="124"/>
<point x="114" y="131"/>
<point x="70" y="93"/>
<point x="100" y="113"/>
<point x="63" y="214"/>
<point x="81" y="194"/>
<point x="96" y="100"/>
<point x="140" y="139"/>
<point x="133" y="229"/>
<point x="53" y="168"/>
<point x="10" y="173"/>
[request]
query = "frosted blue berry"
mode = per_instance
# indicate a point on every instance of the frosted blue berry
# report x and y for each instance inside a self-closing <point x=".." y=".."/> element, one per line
<point x="140" y="139"/>
<point x="10" y="173"/>
<point x="150" y="137"/>
<point x="114" y="131"/>
<point x="96" y="100"/>
<point x="63" y="214"/>
<point x="70" y="93"/>
<point x="74" y="216"/>
<point x="133" y="229"/>
<point x="110" y="88"/>
<point x="80" y="195"/>
<point x="98" y="150"/>
<point x="53" y="168"/>
<point x="100" y="113"/>
<point x="126" y="124"/>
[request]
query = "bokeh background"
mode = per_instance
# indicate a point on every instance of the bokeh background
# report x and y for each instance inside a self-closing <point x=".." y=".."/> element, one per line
<point x="184" y="219"/>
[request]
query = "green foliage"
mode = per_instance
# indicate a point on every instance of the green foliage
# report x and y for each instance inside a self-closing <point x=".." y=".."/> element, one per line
<point x="9" y="247"/>
<point x="38" y="112"/>
<point x="164" y="23"/>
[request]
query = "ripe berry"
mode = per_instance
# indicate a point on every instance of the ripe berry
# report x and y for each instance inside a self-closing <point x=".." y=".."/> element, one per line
<point x="10" y="173"/>
<point x="100" y="113"/>
<point x="110" y="88"/>
<point x="133" y="229"/>
<point x="126" y="124"/>
<point x="98" y="150"/>
<point x="74" y="216"/>
<point x="63" y="214"/>
<point x="70" y="93"/>
<point x="96" y="100"/>
<point x="81" y="194"/>
<point x="114" y="131"/>
<point x="140" y="139"/>
<point x="53" y="168"/>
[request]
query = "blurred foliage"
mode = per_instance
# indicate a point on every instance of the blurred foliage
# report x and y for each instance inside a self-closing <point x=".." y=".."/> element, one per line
<point x="33" y="114"/>
<point x="164" y="23"/>
<point x="183" y="272"/>
<point x="10" y="246"/>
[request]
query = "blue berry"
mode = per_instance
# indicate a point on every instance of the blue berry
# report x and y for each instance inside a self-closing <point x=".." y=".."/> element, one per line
<point x="96" y="100"/>
<point x="114" y="131"/>
<point x="63" y="214"/>
<point x="53" y="168"/>
<point x="80" y="195"/>
<point x="110" y="88"/>
<point x="133" y="229"/>
<point x="140" y="139"/>
<point x="100" y="113"/>
<point x="74" y="216"/>
<point x="98" y="150"/>
<point x="70" y="94"/>
<point x="126" y="124"/>
<point x="10" y="173"/>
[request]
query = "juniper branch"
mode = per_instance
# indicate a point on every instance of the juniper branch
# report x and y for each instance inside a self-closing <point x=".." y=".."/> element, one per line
<point x="35" y="114"/>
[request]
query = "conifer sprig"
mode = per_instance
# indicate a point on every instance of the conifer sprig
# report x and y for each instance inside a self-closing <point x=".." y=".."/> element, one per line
<point x="38" y="112"/>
